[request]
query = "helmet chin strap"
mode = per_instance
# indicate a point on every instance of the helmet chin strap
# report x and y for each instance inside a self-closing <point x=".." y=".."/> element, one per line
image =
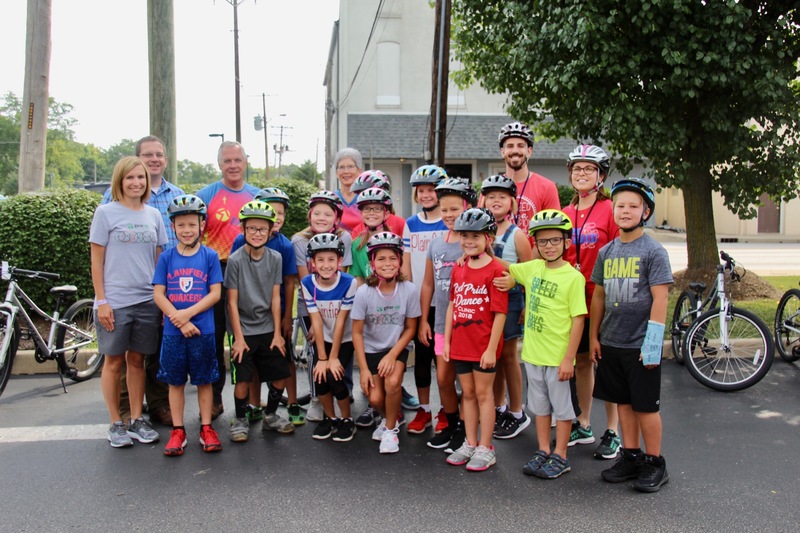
<point x="563" y="250"/>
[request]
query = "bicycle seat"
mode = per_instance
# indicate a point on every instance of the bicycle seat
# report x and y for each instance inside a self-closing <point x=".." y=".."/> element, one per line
<point x="65" y="290"/>
<point x="697" y="286"/>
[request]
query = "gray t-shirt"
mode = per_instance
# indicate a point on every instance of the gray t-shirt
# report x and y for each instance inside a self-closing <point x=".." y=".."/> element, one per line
<point x="443" y="256"/>
<point x="130" y="238"/>
<point x="300" y="244"/>
<point x="254" y="280"/>
<point x="384" y="315"/>
<point x="626" y="271"/>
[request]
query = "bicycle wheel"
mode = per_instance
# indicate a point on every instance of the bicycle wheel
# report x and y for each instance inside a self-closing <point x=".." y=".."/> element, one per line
<point x="302" y="357"/>
<point x="683" y="316"/>
<point x="80" y="363"/>
<point x="730" y="364"/>
<point x="787" y="326"/>
<point x="9" y="333"/>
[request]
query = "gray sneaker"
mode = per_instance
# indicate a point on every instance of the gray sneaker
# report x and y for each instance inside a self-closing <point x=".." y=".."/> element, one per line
<point x="118" y="436"/>
<point x="462" y="455"/>
<point x="141" y="430"/>
<point x="240" y="427"/>
<point x="274" y="422"/>
<point x="482" y="459"/>
<point x="314" y="412"/>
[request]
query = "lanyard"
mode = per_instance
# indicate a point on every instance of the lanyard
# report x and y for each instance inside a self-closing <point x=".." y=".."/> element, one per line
<point x="579" y="231"/>
<point x="519" y="197"/>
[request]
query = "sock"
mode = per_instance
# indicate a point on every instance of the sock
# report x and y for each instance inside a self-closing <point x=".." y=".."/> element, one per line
<point x="178" y="427"/>
<point x="502" y="409"/>
<point x="241" y="407"/>
<point x="273" y="400"/>
<point x="517" y="415"/>
<point x="205" y="426"/>
<point x="426" y="407"/>
<point x="452" y="419"/>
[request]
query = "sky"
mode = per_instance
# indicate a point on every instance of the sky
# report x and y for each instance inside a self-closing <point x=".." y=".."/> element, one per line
<point x="98" y="64"/>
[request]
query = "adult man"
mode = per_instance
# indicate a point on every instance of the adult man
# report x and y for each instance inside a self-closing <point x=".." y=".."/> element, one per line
<point x="225" y="199"/>
<point x="151" y="151"/>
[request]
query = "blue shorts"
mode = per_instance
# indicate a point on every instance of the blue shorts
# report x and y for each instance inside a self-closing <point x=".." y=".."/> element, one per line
<point x="195" y="356"/>
<point x="516" y="302"/>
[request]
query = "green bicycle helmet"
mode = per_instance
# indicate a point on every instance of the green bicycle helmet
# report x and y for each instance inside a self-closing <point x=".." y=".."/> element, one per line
<point x="259" y="210"/>
<point x="550" y="219"/>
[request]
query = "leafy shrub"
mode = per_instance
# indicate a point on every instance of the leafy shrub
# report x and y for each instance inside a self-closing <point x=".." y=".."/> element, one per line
<point x="49" y="232"/>
<point x="565" y="194"/>
<point x="298" y="192"/>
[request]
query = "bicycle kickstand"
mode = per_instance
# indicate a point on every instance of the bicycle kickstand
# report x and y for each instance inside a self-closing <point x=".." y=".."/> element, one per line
<point x="63" y="384"/>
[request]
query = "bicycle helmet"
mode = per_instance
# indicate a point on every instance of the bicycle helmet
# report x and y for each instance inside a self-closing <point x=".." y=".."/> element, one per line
<point x="499" y="183"/>
<point x="515" y="129"/>
<point x="325" y="242"/>
<point x="384" y="239"/>
<point x="258" y="210"/>
<point x="459" y="187"/>
<point x="638" y="186"/>
<point x="476" y="219"/>
<point x="329" y="198"/>
<point x="550" y="219"/>
<point x="428" y="174"/>
<point x="590" y="154"/>
<point x="273" y="194"/>
<point x="369" y="179"/>
<point x="374" y="195"/>
<point x="186" y="204"/>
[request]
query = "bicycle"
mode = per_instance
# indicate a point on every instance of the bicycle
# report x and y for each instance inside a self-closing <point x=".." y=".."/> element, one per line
<point x="727" y="348"/>
<point x="72" y="341"/>
<point x="303" y="360"/>
<point x="787" y="326"/>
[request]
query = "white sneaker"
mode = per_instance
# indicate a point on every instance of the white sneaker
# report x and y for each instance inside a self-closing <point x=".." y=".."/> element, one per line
<point x="389" y="441"/>
<point x="315" y="412"/>
<point x="378" y="433"/>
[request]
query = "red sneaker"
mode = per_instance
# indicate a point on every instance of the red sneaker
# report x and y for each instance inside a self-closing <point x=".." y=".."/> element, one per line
<point x="441" y="422"/>
<point x="423" y="420"/>
<point x="209" y="439"/>
<point x="176" y="443"/>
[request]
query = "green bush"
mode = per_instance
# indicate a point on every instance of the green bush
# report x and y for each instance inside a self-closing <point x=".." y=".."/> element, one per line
<point x="299" y="192"/>
<point x="49" y="232"/>
<point x="565" y="194"/>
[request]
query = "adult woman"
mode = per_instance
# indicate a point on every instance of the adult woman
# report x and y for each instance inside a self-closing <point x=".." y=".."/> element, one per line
<point x="126" y="237"/>
<point x="348" y="165"/>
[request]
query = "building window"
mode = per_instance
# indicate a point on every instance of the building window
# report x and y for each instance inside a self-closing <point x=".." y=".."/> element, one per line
<point x="388" y="74"/>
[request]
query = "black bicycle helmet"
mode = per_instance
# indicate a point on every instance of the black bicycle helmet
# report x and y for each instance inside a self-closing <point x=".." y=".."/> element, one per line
<point x="186" y="204"/>
<point x="374" y="195"/>
<point x="638" y="186"/>
<point x="550" y="219"/>
<point x="369" y="179"/>
<point x="428" y="174"/>
<point x="258" y="210"/>
<point x="515" y="129"/>
<point x="458" y="187"/>
<point x="329" y="198"/>
<point x="499" y="183"/>
<point x="273" y="194"/>
<point x="325" y="242"/>
<point x="590" y="154"/>
<point x="384" y="239"/>
<point x="476" y="219"/>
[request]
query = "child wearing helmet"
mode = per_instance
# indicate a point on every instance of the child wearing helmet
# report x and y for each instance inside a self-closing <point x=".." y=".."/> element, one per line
<point x="385" y="314"/>
<point x="186" y="285"/>
<point x="473" y="335"/>
<point x="632" y="277"/>
<point x="328" y="295"/>
<point x="373" y="204"/>
<point x="253" y="279"/>
<point x="555" y="306"/>
<point x="371" y="179"/>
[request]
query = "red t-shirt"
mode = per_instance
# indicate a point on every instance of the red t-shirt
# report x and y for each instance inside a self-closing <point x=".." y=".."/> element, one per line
<point x="592" y="228"/>
<point x="534" y="194"/>
<point x="475" y="302"/>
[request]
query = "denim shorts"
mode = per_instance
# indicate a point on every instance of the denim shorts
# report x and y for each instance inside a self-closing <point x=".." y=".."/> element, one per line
<point x="516" y="302"/>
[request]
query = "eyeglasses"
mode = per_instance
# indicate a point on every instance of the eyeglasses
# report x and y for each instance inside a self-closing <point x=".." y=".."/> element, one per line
<point x="584" y="170"/>
<point x="151" y="155"/>
<point x="346" y="167"/>
<point x="374" y="209"/>
<point x="257" y="231"/>
<point x="555" y="241"/>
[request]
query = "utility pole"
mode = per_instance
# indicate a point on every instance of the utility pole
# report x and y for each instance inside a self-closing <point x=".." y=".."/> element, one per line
<point x="161" y="60"/>
<point x="280" y="148"/>
<point x="235" y="4"/>
<point x="440" y="78"/>
<point x="266" y="145"/>
<point x="35" y="100"/>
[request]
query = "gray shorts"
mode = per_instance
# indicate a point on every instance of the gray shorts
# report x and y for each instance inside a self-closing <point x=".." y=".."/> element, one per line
<point x="135" y="328"/>
<point x="546" y="394"/>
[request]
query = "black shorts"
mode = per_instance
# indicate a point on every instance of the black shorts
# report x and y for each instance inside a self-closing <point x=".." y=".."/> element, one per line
<point x="467" y="367"/>
<point x="270" y="363"/>
<point x="622" y="378"/>
<point x="346" y="352"/>
<point x="374" y="358"/>
<point x="583" y="347"/>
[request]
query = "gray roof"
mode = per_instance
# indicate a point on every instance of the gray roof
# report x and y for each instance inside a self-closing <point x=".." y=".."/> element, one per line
<point x="388" y="136"/>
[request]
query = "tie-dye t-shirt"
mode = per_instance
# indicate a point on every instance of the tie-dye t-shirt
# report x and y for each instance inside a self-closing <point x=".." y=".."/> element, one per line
<point x="222" y="224"/>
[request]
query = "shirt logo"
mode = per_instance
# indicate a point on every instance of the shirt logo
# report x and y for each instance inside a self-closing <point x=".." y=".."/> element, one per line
<point x="186" y="284"/>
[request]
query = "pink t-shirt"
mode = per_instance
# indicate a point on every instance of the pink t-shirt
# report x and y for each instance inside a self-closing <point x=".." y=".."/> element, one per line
<point x="534" y="194"/>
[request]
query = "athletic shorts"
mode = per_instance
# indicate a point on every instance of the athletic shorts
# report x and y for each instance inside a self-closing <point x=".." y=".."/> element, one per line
<point x="546" y="394"/>
<point x="583" y="347"/>
<point x="135" y="329"/>
<point x="622" y="378"/>
<point x="516" y="302"/>
<point x="270" y="363"/>
<point x="467" y="367"/>
<point x="195" y="356"/>
<point x="374" y="358"/>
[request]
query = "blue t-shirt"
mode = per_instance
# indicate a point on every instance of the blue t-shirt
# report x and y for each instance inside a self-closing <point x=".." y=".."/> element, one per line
<point x="283" y="246"/>
<point x="188" y="279"/>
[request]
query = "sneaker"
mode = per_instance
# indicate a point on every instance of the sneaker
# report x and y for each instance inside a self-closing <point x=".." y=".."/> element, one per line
<point x="457" y="438"/>
<point x="239" y="430"/>
<point x="512" y="426"/>
<point x="254" y="414"/>
<point x="653" y="474"/>
<point x="554" y="467"/>
<point x="389" y="441"/>
<point x="409" y="401"/>
<point x="216" y="410"/>
<point x="275" y="422"/>
<point x="441" y="421"/>
<point x="176" y="443"/>
<point x="141" y="430"/>
<point x="628" y="466"/>
<point x="379" y="431"/>
<point x="209" y="440"/>
<point x="500" y="419"/>
<point x="539" y="458"/>
<point x="482" y="459"/>
<point x="580" y="434"/>
<point x="421" y="422"/>
<point x="118" y="436"/>
<point x="367" y="418"/>
<point x="462" y="455"/>
<point x="441" y="439"/>
<point x="609" y="445"/>
<point x="315" y="412"/>
<point x="324" y="429"/>
<point x="296" y="415"/>
<point x="345" y="430"/>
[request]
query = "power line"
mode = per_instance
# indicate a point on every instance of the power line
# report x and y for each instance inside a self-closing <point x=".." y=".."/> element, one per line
<point x="366" y="47"/>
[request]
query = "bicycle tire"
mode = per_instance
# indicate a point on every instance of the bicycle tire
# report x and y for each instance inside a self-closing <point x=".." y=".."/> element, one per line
<point x="303" y="358"/>
<point x="740" y="364"/>
<point x="682" y="317"/>
<point x="80" y="364"/>
<point x="8" y="328"/>
<point x="787" y="341"/>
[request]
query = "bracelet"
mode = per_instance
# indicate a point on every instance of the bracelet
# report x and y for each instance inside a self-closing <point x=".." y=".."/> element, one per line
<point x="98" y="303"/>
<point x="322" y="360"/>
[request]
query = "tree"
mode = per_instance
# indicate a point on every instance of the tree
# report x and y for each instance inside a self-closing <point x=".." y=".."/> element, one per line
<point x="191" y="172"/>
<point x="701" y="91"/>
<point x="306" y="172"/>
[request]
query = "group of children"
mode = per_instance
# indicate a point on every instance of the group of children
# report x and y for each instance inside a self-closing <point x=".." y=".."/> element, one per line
<point x="462" y="284"/>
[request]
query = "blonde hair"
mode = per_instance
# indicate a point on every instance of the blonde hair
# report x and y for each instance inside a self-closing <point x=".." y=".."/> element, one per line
<point x="514" y="205"/>
<point x="123" y="167"/>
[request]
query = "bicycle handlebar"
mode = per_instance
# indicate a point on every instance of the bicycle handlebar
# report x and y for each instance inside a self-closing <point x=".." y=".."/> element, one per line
<point x="729" y="265"/>
<point x="9" y="272"/>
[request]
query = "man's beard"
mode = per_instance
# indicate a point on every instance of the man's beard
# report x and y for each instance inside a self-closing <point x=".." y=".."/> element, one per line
<point x="520" y="166"/>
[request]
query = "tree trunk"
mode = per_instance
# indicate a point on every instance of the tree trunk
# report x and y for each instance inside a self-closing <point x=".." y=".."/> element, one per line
<point x="161" y="55"/>
<point x="701" y="235"/>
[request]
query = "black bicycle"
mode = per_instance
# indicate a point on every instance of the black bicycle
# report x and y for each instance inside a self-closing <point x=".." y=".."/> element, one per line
<point x="787" y="326"/>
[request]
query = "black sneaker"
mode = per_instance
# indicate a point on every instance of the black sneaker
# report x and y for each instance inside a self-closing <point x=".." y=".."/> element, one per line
<point x="367" y="418"/>
<point x="324" y="428"/>
<point x="345" y="430"/>
<point x="441" y="439"/>
<point x="512" y="426"/>
<point x="500" y="419"/>
<point x="653" y="474"/>
<point x="628" y="466"/>
<point x="457" y="439"/>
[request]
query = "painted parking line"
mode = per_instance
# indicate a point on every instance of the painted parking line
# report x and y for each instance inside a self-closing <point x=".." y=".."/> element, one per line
<point x="50" y="433"/>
